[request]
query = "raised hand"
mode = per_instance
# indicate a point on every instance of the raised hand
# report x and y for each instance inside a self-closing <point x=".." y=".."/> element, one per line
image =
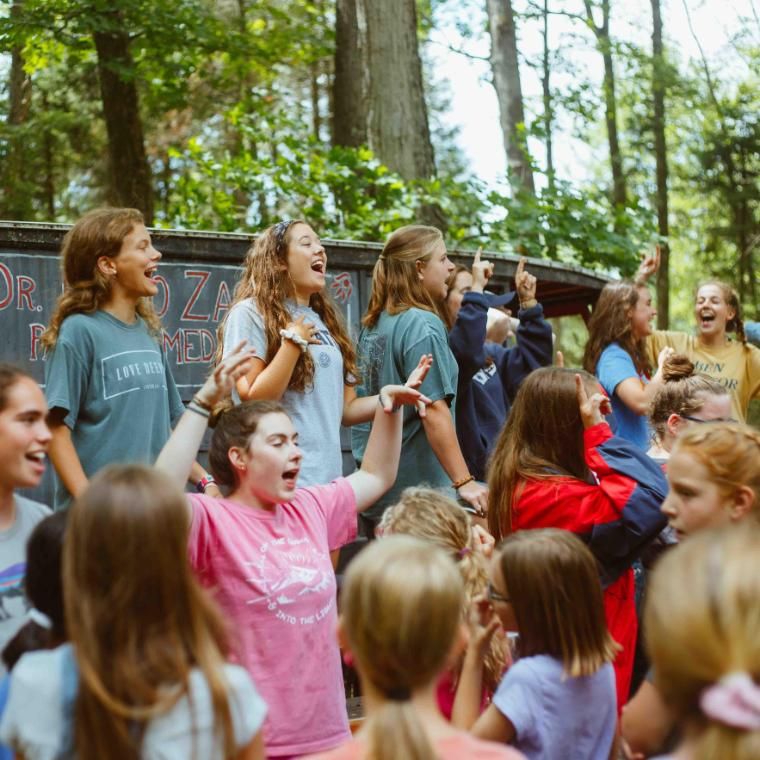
<point x="483" y="625"/>
<point x="649" y="265"/>
<point x="419" y="373"/>
<point x="560" y="359"/>
<point x="306" y="330"/>
<point x="394" y="396"/>
<point x="481" y="272"/>
<point x="222" y="380"/>
<point x="525" y="284"/>
<point x="592" y="408"/>
<point x="484" y="542"/>
<point x="664" y="355"/>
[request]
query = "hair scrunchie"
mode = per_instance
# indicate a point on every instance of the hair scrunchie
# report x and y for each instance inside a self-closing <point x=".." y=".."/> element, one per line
<point x="733" y="701"/>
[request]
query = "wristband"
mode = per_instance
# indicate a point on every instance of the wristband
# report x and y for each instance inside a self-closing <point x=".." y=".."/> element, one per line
<point x="204" y="483"/>
<point x="457" y="484"/>
<point x="294" y="337"/>
<point x="529" y="304"/>
<point x="194" y="407"/>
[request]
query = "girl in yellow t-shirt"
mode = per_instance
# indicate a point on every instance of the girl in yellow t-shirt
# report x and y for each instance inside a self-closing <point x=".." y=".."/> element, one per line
<point x="733" y="363"/>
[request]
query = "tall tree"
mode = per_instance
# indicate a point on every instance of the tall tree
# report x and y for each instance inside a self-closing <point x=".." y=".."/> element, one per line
<point x="16" y="202"/>
<point x="661" y="158"/>
<point x="547" y="96"/>
<point x="130" y="182"/>
<point x="604" y="45"/>
<point x="506" y="81"/>
<point x="349" y="124"/>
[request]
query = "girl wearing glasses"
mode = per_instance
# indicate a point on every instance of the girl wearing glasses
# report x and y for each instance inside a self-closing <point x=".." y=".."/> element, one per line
<point x="686" y="397"/>
<point x="304" y="355"/>
<point x="564" y="469"/>
<point x="558" y="698"/>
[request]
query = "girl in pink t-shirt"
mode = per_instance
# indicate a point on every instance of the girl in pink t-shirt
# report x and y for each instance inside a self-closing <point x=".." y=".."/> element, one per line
<point x="265" y="549"/>
<point x="401" y="623"/>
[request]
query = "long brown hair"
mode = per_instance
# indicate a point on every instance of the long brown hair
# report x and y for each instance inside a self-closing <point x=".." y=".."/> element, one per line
<point x="99" y="233"/>
<point x="432" y="516"/>
<point x="9" y="376"/>
<point x="396" y="286"/>
<point x="266" y="280"/>
<point x="542" y="439"/>
<point x="137" y="618"/>
<point x="400" y="610"/>
<point x="611" y="323"/>
<point x="554" y="589"/>
<point x="701" y="621"/>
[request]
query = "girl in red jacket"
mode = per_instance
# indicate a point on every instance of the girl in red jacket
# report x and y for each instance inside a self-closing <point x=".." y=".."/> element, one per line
<point x="557" y="465"/>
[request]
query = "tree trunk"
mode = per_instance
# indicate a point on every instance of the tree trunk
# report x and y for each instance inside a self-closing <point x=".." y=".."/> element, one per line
<point x="129" y="172"/>
<point x="506" y="81"/>
<point x="661" y="157"/>
<point x="16" y="203"/>
<point x="547" y="98"/>
<point x="603" y="43"/>
<point x="350" y="85"/>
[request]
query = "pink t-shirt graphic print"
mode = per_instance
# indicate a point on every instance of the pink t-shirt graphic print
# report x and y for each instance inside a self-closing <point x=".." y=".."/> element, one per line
<point x="271" y="574"/>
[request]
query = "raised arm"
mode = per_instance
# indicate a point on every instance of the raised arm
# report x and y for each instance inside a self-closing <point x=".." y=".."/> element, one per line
<point x="178" y="455"/>
<point x="380" y="462"/>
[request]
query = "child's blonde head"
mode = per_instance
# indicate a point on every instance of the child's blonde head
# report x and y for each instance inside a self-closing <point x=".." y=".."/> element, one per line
<point x="432" y="516"/>
<point x="702" y="620"/>
<point x="400" y="615"/>
<point x="730" y="452"/>
<point x="556" y="596"/>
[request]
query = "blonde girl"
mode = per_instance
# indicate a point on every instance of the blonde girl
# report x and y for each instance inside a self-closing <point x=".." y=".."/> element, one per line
<point x="405" y="317"/>
<point x="145" y="674"/>
<point x="432" y="516"/>
<point x="558" y="699"/>
<point x="702" y="617"/>
<point x="686" y="397"/>
<point x="401" y="622"/>
<point x="304" y="355"/>
<point x="108" y="383"/>
<point x="714" y="476"/>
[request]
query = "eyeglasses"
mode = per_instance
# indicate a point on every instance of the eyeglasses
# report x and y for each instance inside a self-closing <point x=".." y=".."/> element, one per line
<point x="715" y="419"/>
<point x="496" y="596"/>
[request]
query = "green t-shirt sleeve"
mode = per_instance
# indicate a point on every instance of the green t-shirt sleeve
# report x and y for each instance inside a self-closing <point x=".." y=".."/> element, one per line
<point x="426" y="336"/>
<point x="67" y="374"/>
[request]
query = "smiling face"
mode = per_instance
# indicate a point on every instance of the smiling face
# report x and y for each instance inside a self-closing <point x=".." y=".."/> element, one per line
<point x="269" y="465"/>
<point x="712" y="311"/>
<point x="694" y="501"/>
<point x="642" y="314"/>
<point x="133" y="269"/>
<point x="24" y="435"/>
<point x="306" y="261"/>
<point x="434" y="272"/>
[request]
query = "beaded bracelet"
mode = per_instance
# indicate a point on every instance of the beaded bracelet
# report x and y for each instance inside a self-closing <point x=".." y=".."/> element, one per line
<point x="204" y="483"/>
<point x="294" y="337"/>
<point x="457" y="484"/>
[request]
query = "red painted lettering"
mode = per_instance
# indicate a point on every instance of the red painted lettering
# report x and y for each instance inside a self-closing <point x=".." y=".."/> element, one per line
<point x="165" y="292"/>
<point x="202" y="276"/>
<point x="187" y="356"/>
<point x="222" y="300"/>
<point x="208" y="345"/>
<point x="174" y="343"/>
<point x="25" y="286"/>
<point x="7" y="277"/>
<point x="35" y="333"/>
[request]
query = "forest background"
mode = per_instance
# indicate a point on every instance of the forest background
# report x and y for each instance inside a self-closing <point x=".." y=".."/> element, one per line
<point x="232" y="114"/>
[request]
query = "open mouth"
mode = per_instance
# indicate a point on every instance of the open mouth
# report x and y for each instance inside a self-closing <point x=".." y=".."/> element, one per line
<point x="151" y="273"/>
<point x="290" y="477"/>
<point x="706" y="317"/>
<point x="38" y="458"/>
<point x="318" y="266"/>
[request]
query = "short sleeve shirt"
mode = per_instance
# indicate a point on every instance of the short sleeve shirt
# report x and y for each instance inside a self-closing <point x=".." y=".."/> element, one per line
<point x="733" y="365"/>
<point x="388" y="353"/>
<point x="556" y="716"/>
<point x="35" y="719"/>
<point x="114" y="381"/>
<point x="317" y="411"/>
<point x="270" y="572"/>
<point x="615" y="365"/>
